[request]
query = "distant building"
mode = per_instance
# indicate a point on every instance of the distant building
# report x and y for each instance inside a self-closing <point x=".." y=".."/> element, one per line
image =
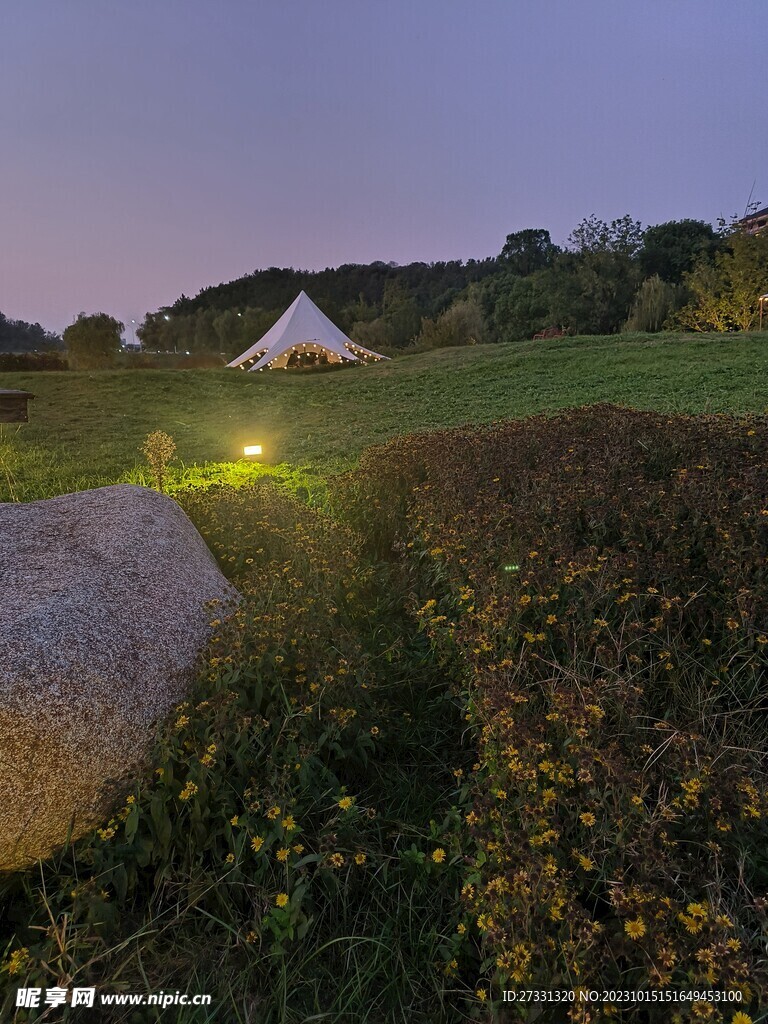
<point x="755" y="222"/>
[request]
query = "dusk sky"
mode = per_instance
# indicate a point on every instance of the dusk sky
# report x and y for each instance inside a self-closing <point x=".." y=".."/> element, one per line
<point x="155" y="147"/>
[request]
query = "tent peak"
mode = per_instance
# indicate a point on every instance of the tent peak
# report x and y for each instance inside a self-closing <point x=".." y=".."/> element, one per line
<point x="303" y="336"/>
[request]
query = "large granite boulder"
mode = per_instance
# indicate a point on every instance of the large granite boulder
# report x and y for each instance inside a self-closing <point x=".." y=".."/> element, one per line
<point x="104" y="606"/>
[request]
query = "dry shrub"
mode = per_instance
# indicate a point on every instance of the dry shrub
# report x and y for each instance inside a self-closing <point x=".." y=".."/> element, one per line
<point x="158" y="449"/>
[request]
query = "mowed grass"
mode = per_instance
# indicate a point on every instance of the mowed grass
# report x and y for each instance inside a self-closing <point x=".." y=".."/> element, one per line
<point x="86" y="428"/>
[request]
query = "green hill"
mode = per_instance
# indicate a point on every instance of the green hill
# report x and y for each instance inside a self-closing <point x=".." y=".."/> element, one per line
<point x="86" y="428"/>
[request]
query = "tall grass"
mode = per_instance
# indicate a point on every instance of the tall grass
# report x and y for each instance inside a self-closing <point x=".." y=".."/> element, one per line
<point x="319" y="698"/>
<point x="583" y="590"/>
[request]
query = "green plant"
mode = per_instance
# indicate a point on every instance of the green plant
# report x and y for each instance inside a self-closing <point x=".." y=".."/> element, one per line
<point x="93" y="341"/>
<point x="260" y="857"/>
<point x="599" y="578"/>
<point x="654" y="302"/>
<point x="158" y="449"/>
<point x="725" y="294"/>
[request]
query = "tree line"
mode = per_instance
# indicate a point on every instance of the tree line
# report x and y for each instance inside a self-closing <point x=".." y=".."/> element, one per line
<point x="20" y="336"/>
<point x="608" y="277"/>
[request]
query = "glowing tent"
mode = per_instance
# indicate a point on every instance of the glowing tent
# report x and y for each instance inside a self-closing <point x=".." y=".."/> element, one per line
<point x="303" y="336"/>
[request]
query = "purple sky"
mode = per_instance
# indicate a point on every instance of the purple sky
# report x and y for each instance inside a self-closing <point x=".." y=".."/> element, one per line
<point x="155" y="147"/>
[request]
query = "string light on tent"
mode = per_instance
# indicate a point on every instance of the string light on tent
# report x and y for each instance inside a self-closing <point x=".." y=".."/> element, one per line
<point x="303" y="330"/>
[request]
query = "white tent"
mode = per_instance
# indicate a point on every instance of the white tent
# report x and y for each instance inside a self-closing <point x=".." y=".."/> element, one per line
<point x="302" y="334"/>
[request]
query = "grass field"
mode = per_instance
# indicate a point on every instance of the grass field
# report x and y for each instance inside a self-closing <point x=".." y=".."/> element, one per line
<point x="376" y="805"/>
<point x="86" y="428"/>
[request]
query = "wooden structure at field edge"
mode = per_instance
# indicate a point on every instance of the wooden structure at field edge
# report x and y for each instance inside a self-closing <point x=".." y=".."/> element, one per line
<point x="13" y="406"/>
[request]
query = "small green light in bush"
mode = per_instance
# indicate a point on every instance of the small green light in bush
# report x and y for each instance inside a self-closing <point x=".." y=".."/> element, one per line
<point x="511" y="568"/>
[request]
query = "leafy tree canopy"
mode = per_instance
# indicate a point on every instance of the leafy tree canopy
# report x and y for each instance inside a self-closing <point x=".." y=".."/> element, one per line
<point x="725" y="295"/>
<point x="93" y="341"/>
<point x="382" y="304"/>
<point x="671" y="249"/>
<point x="19" y="336"/>
<point x="609" y="273"/>
<point x="527" y="251"/>
<point x="623" y="236"/>
<point x="460" y="324"/>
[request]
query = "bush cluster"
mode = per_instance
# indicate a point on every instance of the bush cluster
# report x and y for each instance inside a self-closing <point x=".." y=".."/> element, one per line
<point x="256" y="859"/>
<point x="11" y="362"/>
<point x="312" y="837"/>
<point x="602" y="578"/>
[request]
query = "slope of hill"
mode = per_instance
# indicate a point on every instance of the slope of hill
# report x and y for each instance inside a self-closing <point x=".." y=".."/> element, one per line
<point x="86" y="428"/>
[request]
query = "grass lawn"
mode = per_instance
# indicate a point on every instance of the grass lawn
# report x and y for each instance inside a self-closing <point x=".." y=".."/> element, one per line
<point x="86" y="428"/>
<point x="404" y="783"/>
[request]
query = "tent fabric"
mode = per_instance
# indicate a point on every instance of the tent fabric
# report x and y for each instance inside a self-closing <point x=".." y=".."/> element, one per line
<point x="302" y="328"/>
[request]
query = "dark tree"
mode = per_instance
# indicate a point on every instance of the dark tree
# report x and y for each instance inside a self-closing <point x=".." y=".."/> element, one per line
<point x="517" y="307"/>
<point x="672" y="249"/>
<point x="527" y="251"/>
<point x="19" y="336"/>
<point x="93" y="341"/>
<point x="623" y="236"/>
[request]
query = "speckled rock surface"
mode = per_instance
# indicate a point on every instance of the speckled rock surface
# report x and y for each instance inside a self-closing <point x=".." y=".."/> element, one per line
<point x="103" y="610"/>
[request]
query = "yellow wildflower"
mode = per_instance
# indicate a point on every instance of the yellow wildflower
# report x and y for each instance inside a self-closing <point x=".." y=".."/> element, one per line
<point x="635" y="929"/>
<point x="18" y="960"/>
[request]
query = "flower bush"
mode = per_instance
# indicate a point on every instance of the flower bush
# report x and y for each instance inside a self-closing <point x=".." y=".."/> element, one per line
<point x="266" y="838"/>
<point x="503" y="728"/>
<point x="601" y="576"/>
